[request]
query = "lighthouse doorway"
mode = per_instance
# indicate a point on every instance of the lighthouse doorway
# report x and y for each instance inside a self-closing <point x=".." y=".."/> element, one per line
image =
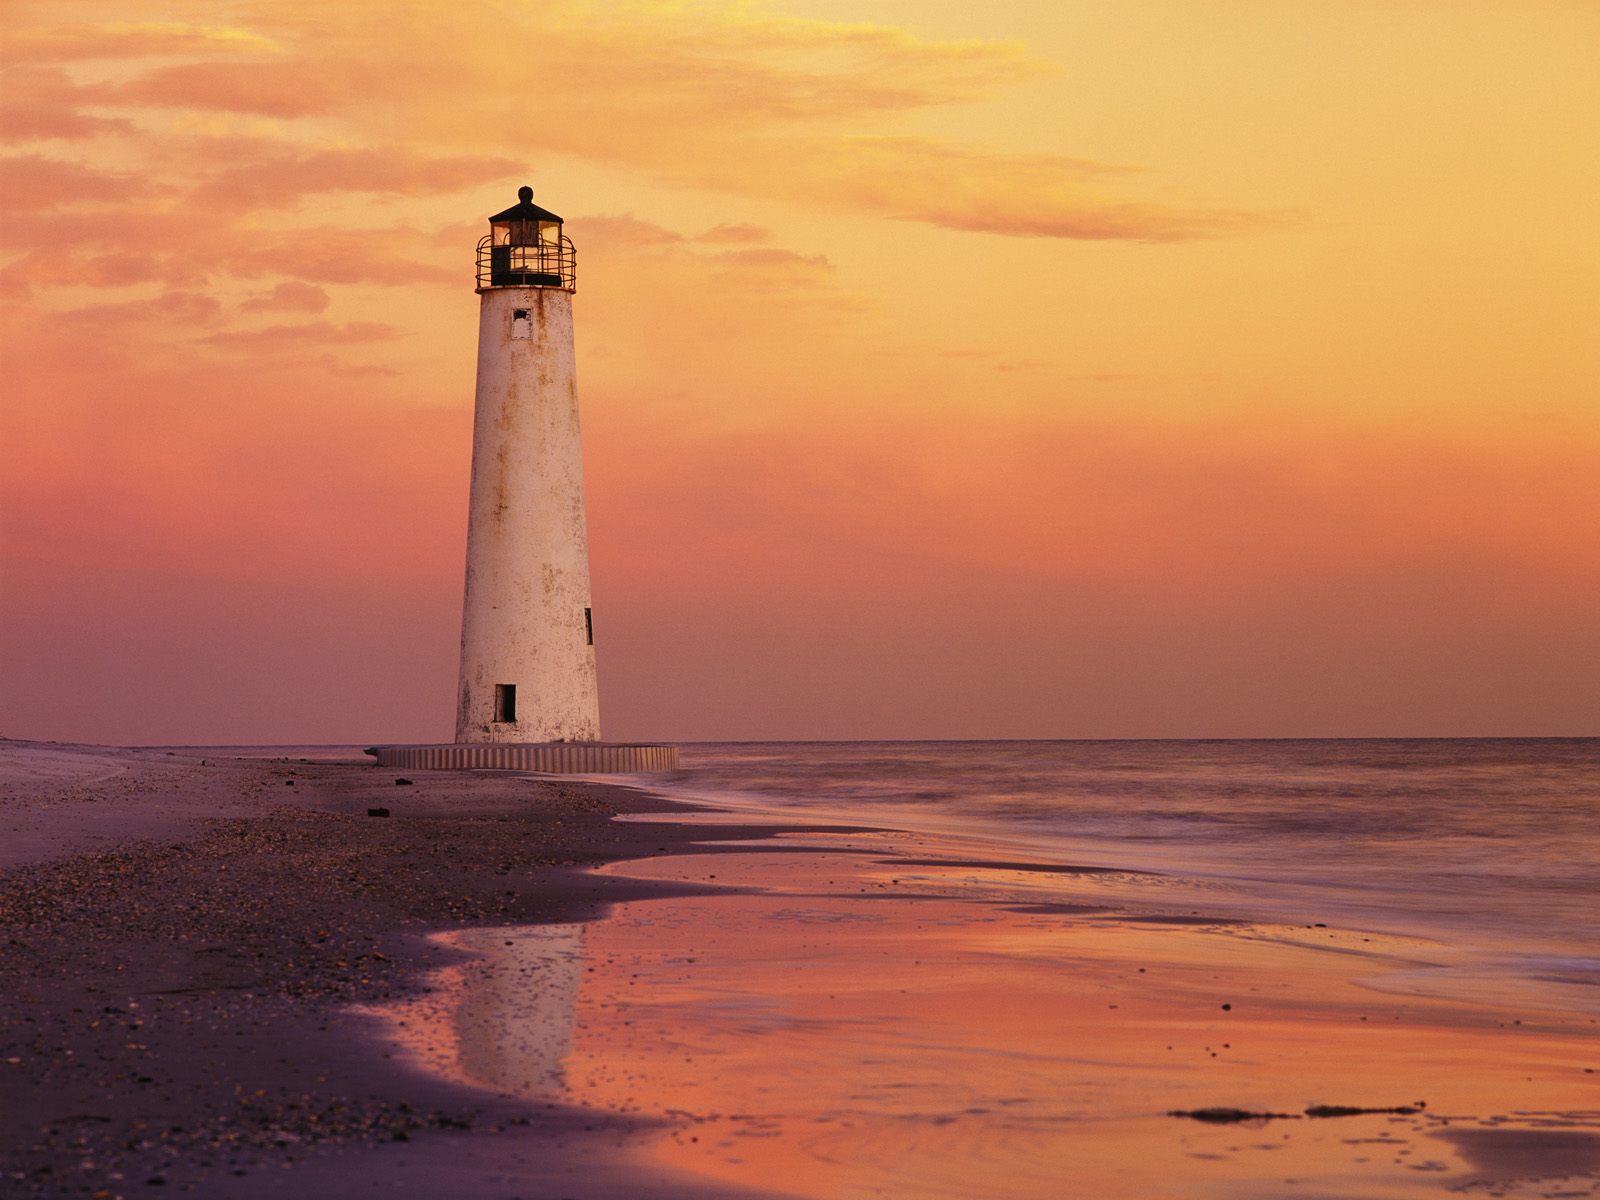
<point x="505" y="702"/>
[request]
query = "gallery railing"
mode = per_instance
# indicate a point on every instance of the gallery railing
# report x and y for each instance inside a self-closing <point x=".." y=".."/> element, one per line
<point x="544" y="264"/>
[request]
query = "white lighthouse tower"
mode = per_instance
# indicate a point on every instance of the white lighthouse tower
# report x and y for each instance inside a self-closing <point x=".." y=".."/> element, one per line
<point x="527" y="698"/>
<point x="527" y="629"/>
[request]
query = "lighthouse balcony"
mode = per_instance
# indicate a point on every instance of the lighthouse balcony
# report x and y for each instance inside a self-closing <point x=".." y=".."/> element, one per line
<point x="547" y="263"/>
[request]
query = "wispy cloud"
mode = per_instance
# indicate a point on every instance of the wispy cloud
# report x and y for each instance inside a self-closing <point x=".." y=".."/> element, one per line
<point x="127" y="40"/>
<point x="736" y="234"/>
<point x="294" y="88"/>
<point x="711" y="94"/>
<point x="173" y="308"/>
<point x="289" y="296"/>
<point x="44" y="103"/>
<point x="960" y="187"/>
<point x="31" y="182"/>
<point x="302" y="334"/>
<point x="256" y="173"/>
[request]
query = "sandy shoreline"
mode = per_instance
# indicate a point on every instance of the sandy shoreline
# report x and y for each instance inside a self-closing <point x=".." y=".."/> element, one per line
<point x="175" y="990"/>
<point x="425" y="1005"/>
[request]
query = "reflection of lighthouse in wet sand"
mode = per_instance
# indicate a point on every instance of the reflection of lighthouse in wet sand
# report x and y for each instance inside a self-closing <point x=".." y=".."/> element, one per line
<point x="513" y="1015"/>
<point x="502" y="1017"/>
<point x="527" y="629"/>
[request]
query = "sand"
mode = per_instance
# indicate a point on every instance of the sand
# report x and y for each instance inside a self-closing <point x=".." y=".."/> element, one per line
<point x="176" y="988"/>
<point x="228" y="979"/>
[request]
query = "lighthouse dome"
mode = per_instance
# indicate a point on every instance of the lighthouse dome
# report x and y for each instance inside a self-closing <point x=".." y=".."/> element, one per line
<point x="524" y="210"/>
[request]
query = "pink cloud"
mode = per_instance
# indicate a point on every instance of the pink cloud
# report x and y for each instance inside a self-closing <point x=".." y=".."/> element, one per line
<point x="173" y="308"/>
<point x="625" y="230"/>
<point x="777" y="266"/>
<point x="291" y="296"/>
<point x="43" y="102"/>
<point x="920" y="179"/>
<point x="261" y="173"/>
<point x="331" y="255"/>
<point x="122" y="270"/>
<point x="124" y="40"/>
<point x="34" y="182"/>
<point x="735" y="234"/>
<point x="286" y="89"/>
<point x="308" y="333"/>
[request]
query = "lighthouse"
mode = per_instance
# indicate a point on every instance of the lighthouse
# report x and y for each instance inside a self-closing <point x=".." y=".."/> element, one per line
<point x="527" y="626"/>
<point x="526" y="697"/>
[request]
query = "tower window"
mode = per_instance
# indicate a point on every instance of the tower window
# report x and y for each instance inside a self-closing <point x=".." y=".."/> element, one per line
<point x="588" y="624"/>
<point x="521" y="326"/>
<point x="505" y="702"/>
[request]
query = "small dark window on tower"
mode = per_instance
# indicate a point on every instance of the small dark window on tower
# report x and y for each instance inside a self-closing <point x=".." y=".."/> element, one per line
<point x="505" y="702"/>
<point x="588" y="624"/>
<point x="519" y="314"/>
<point x="521" y="325"/>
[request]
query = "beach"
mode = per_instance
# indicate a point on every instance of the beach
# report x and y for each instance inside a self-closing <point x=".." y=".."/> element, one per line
<point x="224" y="976"/>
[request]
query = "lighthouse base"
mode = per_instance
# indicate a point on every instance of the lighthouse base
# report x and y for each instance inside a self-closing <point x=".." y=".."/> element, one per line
<point x="551" y="758"/>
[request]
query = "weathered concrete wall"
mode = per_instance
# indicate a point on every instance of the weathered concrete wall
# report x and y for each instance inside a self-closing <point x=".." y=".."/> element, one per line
<point x="527" y="546"/>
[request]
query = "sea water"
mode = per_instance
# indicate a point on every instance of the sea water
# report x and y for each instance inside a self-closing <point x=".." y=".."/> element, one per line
<point x="1490" y="846"/>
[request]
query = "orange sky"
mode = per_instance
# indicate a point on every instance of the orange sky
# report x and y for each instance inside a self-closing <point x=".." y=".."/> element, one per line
<point x="1027" y="370"/>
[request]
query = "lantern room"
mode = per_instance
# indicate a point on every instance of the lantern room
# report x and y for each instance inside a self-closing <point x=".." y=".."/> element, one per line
<point x="526" y="248"/>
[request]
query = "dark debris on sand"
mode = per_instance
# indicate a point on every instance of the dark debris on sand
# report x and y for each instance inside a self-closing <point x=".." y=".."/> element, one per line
<point x="1232" y="1116"/>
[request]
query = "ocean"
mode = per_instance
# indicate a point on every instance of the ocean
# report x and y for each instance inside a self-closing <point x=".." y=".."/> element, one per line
<point x="1489" y="847"/>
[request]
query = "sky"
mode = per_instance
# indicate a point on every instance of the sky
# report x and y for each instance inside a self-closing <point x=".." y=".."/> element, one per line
<point x="1046" y="368"/>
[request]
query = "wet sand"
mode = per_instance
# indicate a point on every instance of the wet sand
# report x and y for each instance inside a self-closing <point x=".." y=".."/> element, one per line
<point x="298" y="996"/>
<point x="960" y="1036"/>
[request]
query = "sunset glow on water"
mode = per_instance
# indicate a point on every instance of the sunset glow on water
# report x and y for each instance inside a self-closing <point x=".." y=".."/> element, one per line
<point x="1486" y="842"/>
<point x="941" y="1013"/>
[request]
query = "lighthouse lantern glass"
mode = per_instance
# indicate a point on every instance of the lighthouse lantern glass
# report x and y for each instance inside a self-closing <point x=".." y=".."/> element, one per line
<point x="510" y="233"/>
<point x="527" y="233"/>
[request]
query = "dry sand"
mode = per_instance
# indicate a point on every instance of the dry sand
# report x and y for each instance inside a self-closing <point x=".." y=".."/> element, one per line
<point x="275" y="993"/>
